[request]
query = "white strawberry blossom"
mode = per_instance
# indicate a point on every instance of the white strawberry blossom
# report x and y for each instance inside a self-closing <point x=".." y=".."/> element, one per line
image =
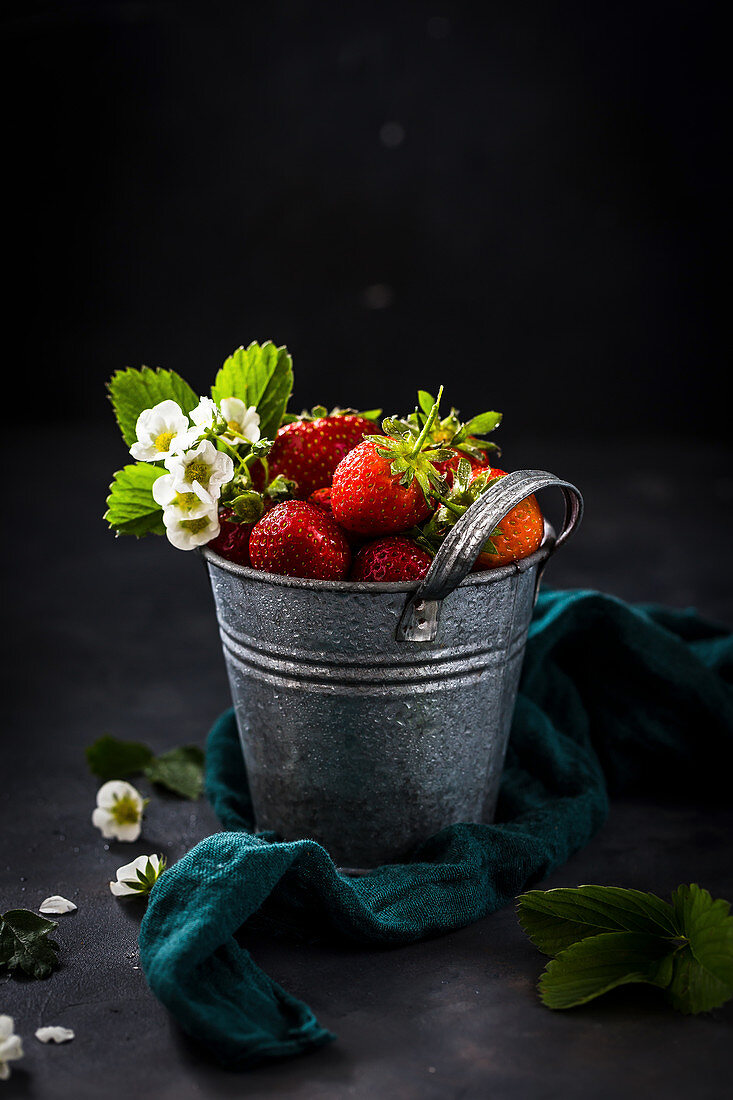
<point x="11" y="1047"/>
<point x="191" y="505"/>
<point x="205" y="413"/>
<point x="185" y="532"/>
<point x="119" y="811"/>
<point x="241" y="419"/>
<point x="137" y="878"/>
<point x="203" y="464"/>
<point x="161" y="432"/>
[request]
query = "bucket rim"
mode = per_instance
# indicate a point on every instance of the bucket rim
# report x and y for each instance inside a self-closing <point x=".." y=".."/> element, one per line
<point x="486" y="576"/>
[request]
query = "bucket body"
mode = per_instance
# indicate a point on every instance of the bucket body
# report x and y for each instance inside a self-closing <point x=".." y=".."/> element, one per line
<point x="367" y="744"/>
<point x="356" y="737"/>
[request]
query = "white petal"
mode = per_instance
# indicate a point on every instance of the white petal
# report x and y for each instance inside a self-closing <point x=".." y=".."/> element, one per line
<point x="128" y="832"/>
<point x="144" y="452"/>
<point x="120" y="890"/>
<point x="11" y="1048"/>
<point x="129" y="870"/>
<point x="110" y="792"/>
<point x="54" y="1034"/>
<point x="7" y="1026"/>
<point x="163" y="491"/>
<point x="56" y="904"/>
<point x="103" y="820"/>
<point x="4" y="1071"/>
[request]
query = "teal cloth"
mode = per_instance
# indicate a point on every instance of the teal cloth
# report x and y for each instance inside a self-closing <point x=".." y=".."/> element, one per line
<point x="612" y="697"/>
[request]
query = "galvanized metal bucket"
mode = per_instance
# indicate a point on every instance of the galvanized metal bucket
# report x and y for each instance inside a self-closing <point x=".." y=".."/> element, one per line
<point x="373" y="715"/>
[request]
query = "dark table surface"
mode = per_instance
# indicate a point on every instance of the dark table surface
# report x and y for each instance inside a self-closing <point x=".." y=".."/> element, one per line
<point x="106" y="635"/>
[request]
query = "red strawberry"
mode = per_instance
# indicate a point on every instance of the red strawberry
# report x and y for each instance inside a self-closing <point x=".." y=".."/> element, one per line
<point x="297" y="539"/>
<point x="390" y="559"/>
<point x="322" y="498"/>
<point x="368" y="498"/>
<point x="521" y="533"/>
<point x="232" y="542"/>
<point x="308" y="451"/>
<point x="448" y="466"/>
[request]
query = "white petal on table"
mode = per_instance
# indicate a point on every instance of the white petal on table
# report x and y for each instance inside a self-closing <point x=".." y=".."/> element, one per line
<point x="57" y="904"/>
<point x="54" y="1034"/>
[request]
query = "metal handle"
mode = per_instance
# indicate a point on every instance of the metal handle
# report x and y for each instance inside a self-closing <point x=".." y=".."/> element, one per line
<point x="462" y="544"/>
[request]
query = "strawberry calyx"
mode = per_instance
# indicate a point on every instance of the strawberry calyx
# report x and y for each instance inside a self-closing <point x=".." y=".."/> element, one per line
<point x="466" y="489"/>
<point x="454" y="433"/>
<point x="412" y="452"/>
<point x="320" y="412"/>
<point x="247" y="504"/>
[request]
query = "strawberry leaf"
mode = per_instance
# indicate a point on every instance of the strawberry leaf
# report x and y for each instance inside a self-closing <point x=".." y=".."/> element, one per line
<point x="703" y="972"/>
<point x="180" y="770"/>
<point x="109" y="758"/>
<point x="132" y="391"/>
<point x="24" y="943"/>
<point x="592" y="966"/>
<point x="131" y="509"/>
<point x="554" y="919"/>
<point x="259" y="375"/>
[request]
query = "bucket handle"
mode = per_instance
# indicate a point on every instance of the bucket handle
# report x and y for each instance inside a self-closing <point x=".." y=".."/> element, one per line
<point x="462" y="544"/>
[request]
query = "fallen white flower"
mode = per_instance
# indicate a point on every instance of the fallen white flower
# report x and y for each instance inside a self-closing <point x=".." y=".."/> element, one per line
<point x="11" y="1046"/>
<point x="54" y="1034"/>
<point x="119" y="811"/>
<point x="138" y="878"/>
<point x="161" y="432"/>
<point x="241" y="419"/>
<point x="56" y="904"/>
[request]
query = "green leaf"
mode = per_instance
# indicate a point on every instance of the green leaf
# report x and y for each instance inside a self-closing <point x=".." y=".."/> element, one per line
<point x="371" y="414"/>
<point x="261" y="376"/>
<point x="109" y="758"/>
<point x="180" y="770"/>
<point x="425" y="400"/>
<point x="131" y="509"/>
<point x="483" y="423"/>
<point x="594" y="965"/>
<point x="132" y="391"/>
<point x="703" y="971"/>
<point x="24" y="943"/>
<point x="554" y="919"/>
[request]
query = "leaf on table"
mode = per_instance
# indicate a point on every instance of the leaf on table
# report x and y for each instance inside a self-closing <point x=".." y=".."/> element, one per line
<point x="555" y="919"/>
<point x="131" y="509"/>
<point x="109" y="758"/>
<point x="180" y="770"/>
<point x="703" y="970"/>
<point x="259" y="375"/>
<point x="24" y="943"/>
<point x="132" y="391"/>
<point x="593" y="966"/>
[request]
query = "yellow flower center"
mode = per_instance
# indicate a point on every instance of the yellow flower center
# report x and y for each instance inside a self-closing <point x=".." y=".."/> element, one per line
<point x="162" y="442"/>
<point x="195" y="525"/>
<point x="186" y="501"/>
<point x="441" y="435"/>
<point x="125" y="810"/>
<point x="233" y="425"/>
<point x="198" y="470"/>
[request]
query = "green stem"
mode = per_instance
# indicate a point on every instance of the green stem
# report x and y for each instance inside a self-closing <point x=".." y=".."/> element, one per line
<point x="458" y="509"/>
<point x="428" y="425"/>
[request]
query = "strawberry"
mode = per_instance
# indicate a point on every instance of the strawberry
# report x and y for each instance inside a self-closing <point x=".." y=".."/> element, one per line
<point x="384" y="485"/>
<point x="309" y="450"/>
<point x="516" y="536"/>
<point x="448" y="466"/>
<point x="391" y="559"/>
<point x="519" y="534"/>
<point x="300" y="540"/>
<point x="232" y="542"/>
<point x="322" y="498"/>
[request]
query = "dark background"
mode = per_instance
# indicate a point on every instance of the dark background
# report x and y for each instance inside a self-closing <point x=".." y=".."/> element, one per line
<point x="524" y="201"/>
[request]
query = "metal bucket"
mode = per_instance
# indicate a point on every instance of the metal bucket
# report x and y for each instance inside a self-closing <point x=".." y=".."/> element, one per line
<point x="373" y="715"/>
